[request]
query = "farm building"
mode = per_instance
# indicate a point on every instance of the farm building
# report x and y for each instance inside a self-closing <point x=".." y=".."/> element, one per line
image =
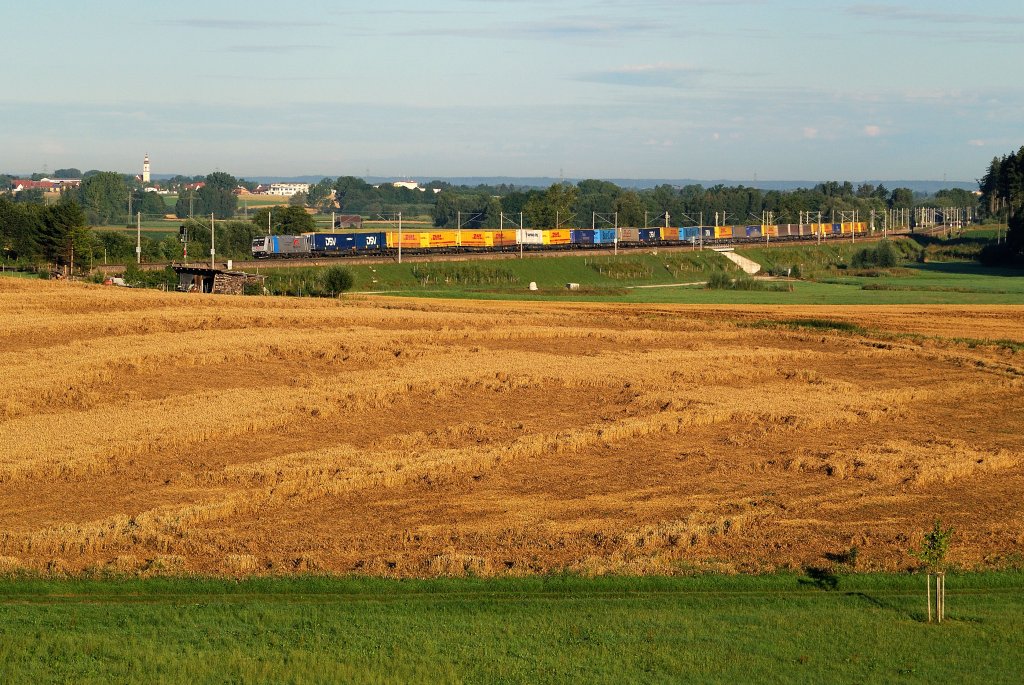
<point x="204" y="279"/>
<point x="348" y="221"/>
<point x="45" y="184"/>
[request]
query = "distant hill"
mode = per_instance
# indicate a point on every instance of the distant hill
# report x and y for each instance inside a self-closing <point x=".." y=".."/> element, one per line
<point x="923" y="187"/>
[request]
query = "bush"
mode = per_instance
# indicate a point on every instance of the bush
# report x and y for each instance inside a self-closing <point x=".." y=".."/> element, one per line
<point x="337" y="279"/>
<point x="720" y="280"/>
<point x="882" y="255"/>
<point x="137" y="278"/>
<point x="465" y="274"/>
<point x="784" y="271"/>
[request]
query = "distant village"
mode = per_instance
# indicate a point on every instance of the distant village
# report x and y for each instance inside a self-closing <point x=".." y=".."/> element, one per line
<point x="281" y="189"/>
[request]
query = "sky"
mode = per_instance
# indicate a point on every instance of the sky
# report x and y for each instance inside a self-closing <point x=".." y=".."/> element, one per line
<point x="704" y="89"/>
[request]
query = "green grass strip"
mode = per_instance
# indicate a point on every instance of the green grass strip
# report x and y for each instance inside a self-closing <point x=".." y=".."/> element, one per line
<point x="805" y="628"/>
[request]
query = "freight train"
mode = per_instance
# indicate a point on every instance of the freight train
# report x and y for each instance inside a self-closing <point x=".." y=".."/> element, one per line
<point x="416" y="242"/>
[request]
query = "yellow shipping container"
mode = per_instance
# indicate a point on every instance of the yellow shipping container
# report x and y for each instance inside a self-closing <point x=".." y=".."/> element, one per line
<point x="505" y="238"/>
<point x="557" y="236"/>
<point x="410" y="239"/>
<point x="723" y="231"/>
<point x="478" y="238"/>
<point x="442" y="239"/>
<point x="670" y="233"/>
<point x="772" y="231"/>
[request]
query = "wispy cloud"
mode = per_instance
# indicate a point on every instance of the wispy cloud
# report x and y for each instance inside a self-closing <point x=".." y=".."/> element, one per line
<point x="582" y="27"/>
<point x="405" y="12"/>
<point x="646" y="75"/>
<point x="238" y="24"/>
<point x="668" y="5"/>
<point x="561" y="28"/>
<point x="909" y="14"/>
<point x="270" y="49"/>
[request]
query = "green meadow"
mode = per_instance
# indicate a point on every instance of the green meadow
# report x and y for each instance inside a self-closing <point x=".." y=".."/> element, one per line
<point x="826" y="276"/>
<point x="707" y="629"/>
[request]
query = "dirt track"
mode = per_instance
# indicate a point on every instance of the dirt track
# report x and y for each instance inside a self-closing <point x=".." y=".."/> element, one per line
<point x="150" y="432"/>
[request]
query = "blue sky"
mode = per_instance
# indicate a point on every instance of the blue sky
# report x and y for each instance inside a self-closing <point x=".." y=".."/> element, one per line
<point x="581" y="88"/>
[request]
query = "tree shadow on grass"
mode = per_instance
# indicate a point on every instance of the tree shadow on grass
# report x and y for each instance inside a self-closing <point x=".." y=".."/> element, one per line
<point x="821" y="578"/>
<point x="966" y="268"/>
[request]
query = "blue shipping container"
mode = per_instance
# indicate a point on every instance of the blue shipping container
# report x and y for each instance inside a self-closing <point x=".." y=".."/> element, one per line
<point x="650" y="235"/>
<point x="371" y="241"/>
<point x="604" y="236"/>
<point x="709" y="231"/>
<point x="753" y="231"/>
<point x="332" y="242"/>
<point x="689" y="232"/>
<point x="583" y="236"/>
<point x="837" y="229"/>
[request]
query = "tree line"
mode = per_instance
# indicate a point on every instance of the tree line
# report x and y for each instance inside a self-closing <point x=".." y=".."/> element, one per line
<point x="30" y="230"/>
<point x="576" y="205"/>
<point x="1002" y="194"/>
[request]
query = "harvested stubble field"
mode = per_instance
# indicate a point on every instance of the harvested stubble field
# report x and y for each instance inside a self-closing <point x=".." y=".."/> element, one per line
<point x="145" y="432"/>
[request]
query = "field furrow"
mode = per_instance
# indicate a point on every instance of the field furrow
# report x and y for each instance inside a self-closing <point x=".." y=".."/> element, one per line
<point x="163" y="433"/>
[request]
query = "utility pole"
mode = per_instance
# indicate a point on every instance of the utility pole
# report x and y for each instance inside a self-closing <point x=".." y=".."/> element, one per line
<point x="477" y="216"/>
<point x="520" y="232"/>
<point x="138" y="238"/>
<point x="399" y="237"/>
<point x="213" y="247"/>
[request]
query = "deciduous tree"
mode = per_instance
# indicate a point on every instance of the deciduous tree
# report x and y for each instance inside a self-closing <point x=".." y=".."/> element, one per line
<point x="104" y="198"/>
<point x="290" y="220"/>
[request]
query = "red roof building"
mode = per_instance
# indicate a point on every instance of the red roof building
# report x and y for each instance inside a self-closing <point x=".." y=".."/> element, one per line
<point x="45" y="184"/>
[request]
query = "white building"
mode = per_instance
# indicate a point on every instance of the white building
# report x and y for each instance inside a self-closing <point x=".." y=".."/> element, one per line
<point x="145" y="168"/>
<point x="411" y="185"/>
<point x="287" y="189"/>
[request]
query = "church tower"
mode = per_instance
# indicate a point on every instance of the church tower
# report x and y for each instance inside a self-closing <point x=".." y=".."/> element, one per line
<point x="145" y="169"/>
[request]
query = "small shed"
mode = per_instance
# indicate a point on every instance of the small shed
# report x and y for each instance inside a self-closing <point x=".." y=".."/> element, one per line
<point x="205" y="279"/>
